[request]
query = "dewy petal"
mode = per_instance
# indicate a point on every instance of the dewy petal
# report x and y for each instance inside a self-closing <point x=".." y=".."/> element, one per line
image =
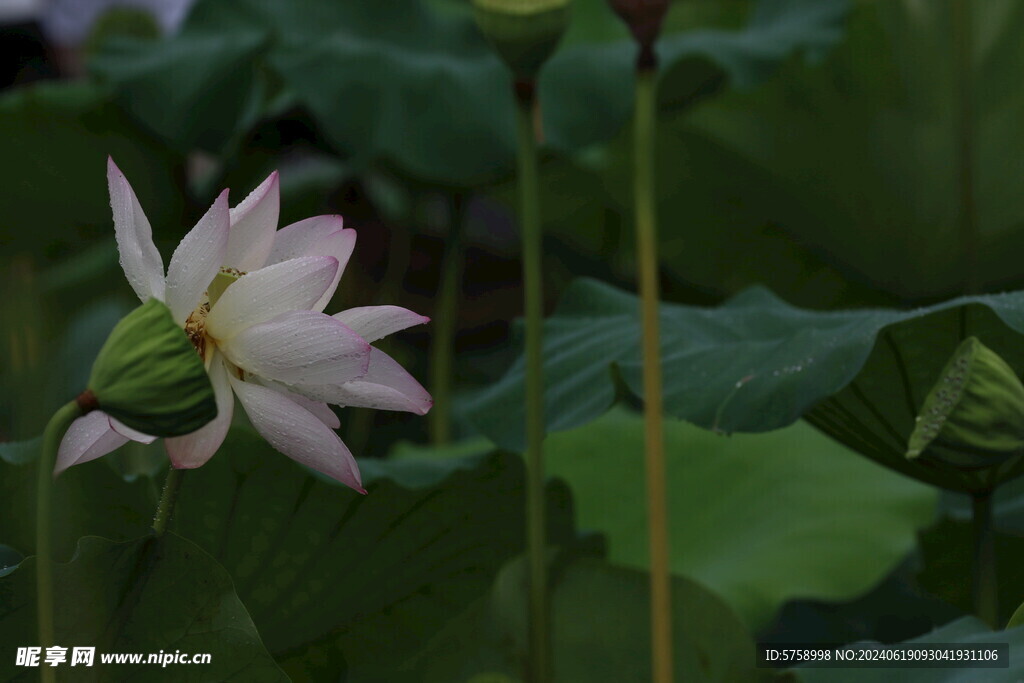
<point x="197" y="259"/>
<point x="253" y="223"/>
<point x="297" y="433"/>
<point x="139" y="257"/>
<point x="385" y="386"/>
<point x="88" y="438"/>
<point x="317" y="236"/>
<point x="193" y="450"/>
<point x="129" y="433"/>
<point x="374" y="322"/>
<point x="263" y="294"/>
<point x="300" y="347"/>
<point x="318" y="408"/>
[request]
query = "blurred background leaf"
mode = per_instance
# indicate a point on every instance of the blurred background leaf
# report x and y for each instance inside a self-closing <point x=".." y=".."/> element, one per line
<point x="758" y="519"/>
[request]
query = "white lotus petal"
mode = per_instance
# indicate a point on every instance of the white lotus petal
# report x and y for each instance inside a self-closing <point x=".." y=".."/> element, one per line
<point x="300" y="347"/>
<point x="265" y="293"/>
<point x="193" y="450"/>
<point x="302" y="238"/>
<point x="385" y="386"/>
<point x="297" y="433"/>
<point x="129" y="433"/>
<point x="318" y="408"/>
<point x="374" y="322"/>
<point x="317" y="236"/>
<point x="139" y="257"/>
<point x="253" y="223"/>
<point x="197" y="259"/>
<point x="88" y="438"/>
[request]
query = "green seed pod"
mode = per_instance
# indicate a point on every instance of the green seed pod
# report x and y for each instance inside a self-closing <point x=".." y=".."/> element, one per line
<point x="149" y="376"/>
<point x="524" y="32"/>
<point x="973" y="418"/>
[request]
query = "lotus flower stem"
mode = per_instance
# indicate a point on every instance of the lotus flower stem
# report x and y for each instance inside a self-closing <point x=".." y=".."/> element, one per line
<point x="52" y="436"/>
<point x="165" y="508"/>
<point x="985" y="589"/>
<point x="540" y="646"/>
<point x="445" y="319"/>
<point x="654" y="446"/>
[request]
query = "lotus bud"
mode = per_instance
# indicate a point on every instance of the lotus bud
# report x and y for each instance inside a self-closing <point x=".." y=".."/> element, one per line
<point x="524" y="33"/>
<point x="643" y="17"/>
<point x="973" y="418"/>
<point x="149" y="376"/>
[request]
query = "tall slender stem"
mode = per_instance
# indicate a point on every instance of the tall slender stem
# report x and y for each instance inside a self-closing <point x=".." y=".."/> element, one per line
<point x="654" y="446"/>
<point x="52" y="436"/>
<point x="165" y="508"/>
<point x="986" y="589"/>
<point x="445" y="322"/>
<point x="540" y="645"/>
<point x="963" y="51"/>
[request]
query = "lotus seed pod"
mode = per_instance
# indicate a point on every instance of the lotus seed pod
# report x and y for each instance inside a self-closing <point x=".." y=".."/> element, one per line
<point x="643" y="17"/>
<point x="524" y="33"/>
<point x="973" y="418"/>
<point x="149" y="376"/>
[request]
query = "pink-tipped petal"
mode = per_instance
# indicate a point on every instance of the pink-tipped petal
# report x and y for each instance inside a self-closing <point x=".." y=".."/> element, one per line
<point x="317" y="236"/>
<point x="129" y="433"/>
<point x="139" y="257"/>
<point x="88" y="438"/>
<point x="193" y="450"/>
<point x="268" y="292"/>
<point x="318" y="408"/>
<point x="197" y="259"/>
<point x="385" y="386"/>
<point x="253" y="223"/>
<point x="296" y="432"/>
<point x="300" y="347"/>
<point x="303" y="238"/>
<point x="374" y="322"/>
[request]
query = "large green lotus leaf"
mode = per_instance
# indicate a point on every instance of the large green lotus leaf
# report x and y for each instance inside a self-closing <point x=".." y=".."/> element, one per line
<point x="324" y="570"/>
<point x="404" y="83"/>
<point x="600" y="630"/>
<point x="965" y="632"/>
<point x="755" y="364"/>
<point x="146" y="596"/>
<point x="759" y="519"/>
<point x="856" y="161"/>
<point x="89" y="499"/>
<point x="57" y="137"/>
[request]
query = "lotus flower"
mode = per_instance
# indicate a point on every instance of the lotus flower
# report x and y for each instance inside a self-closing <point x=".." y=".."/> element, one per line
<point x="250" y="298"/>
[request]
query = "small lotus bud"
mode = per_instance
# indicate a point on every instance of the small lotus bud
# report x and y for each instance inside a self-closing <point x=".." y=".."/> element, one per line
<point x="524" y="32"/>
<point x="643" y="17"/>
<point x="973" y="417"/>
<point x="149" y="376"/>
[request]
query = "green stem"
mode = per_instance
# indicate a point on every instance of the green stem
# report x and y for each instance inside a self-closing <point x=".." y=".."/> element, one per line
<point x="445" y="322"/>
<point x="540" y="644"/>
<point x="165" y="508"/>
<point x="963" y="50"/>
<point x="55" y="429"/>
<point x="654" y="447"/>
<point x="986" y="591"/>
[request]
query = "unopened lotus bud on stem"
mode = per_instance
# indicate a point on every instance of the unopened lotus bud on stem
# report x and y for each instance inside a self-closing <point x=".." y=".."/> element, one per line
<point x="973" y="418"/>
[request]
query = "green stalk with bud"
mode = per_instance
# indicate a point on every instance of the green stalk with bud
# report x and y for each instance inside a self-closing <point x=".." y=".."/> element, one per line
<point x="971" y="424"/>
<point x="644" y="19"/>
<point x="525" y="33"/>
